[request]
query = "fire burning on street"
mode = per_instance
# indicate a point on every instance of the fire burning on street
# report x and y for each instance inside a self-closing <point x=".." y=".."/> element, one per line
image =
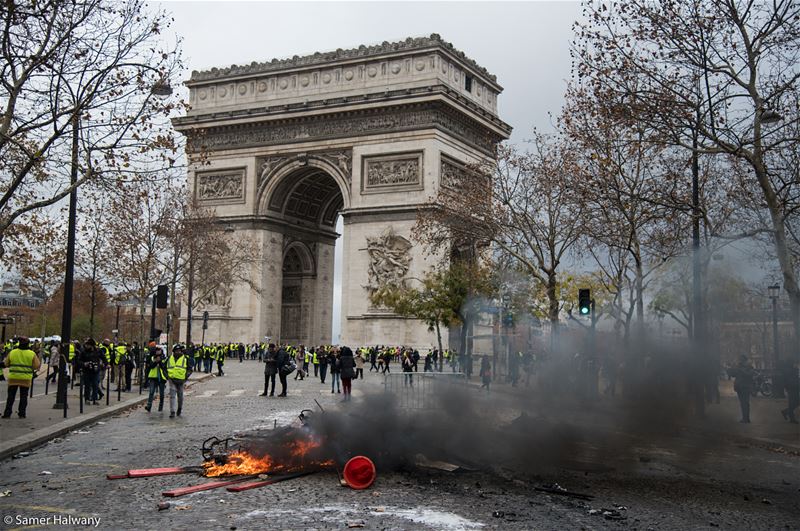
<point x="293" y="455"/>
<point x="239" y="463"/>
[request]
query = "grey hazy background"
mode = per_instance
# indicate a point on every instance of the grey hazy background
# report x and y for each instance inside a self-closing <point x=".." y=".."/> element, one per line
<point x="525" y="44"/>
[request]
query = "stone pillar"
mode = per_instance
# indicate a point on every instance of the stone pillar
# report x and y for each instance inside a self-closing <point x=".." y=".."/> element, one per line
<point x="271" y="286"/>
<point x="322" y="303"/>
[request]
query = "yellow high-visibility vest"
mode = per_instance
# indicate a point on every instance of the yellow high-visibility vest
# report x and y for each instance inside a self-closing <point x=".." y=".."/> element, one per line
<point x="176" y="368"/>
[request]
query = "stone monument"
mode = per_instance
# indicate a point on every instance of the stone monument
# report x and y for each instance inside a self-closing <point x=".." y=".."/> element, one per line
<point x="289" y="145"/>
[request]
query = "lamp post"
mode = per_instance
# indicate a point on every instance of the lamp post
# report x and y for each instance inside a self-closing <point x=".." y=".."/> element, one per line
<point x="160" y="88"/>
<point x="774" y="292"/>
<point x="69" y="272"/>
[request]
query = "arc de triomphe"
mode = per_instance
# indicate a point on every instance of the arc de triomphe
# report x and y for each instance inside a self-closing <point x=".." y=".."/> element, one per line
<point x="366" y="133"/>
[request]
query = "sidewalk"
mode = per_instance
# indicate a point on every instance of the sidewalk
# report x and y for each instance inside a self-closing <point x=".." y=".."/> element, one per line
<point x="43" y="423"/>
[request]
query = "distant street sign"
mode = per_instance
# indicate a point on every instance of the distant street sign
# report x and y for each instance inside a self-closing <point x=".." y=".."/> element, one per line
<point x="6" y="320"/>
<point x="115" y="331"/>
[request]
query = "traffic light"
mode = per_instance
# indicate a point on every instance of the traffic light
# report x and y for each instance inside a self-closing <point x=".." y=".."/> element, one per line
<point x="585" y="301"/>
<point x="162" y="294"/>
<point x="205" y="320"/>
<point x="508" y="320"/>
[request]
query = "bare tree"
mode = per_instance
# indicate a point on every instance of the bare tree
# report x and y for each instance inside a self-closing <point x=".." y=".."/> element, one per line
<point x="630" y="230"/>
<point x="523" y="204"/>
<point x="37" y="253"/>
<point x="709" y="76"/>
<point x="82" y="75"/>
<point x="93" y="257"/>
<point x="139" y="242"/>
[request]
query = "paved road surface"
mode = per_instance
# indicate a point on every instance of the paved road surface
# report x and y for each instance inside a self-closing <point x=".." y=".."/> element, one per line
<point x="681" y="485"/>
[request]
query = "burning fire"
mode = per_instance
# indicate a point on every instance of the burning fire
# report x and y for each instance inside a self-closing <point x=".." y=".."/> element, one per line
<point x="299" y="448"/>
<point x="239" y="463"/>
<point x="243" y="463"/>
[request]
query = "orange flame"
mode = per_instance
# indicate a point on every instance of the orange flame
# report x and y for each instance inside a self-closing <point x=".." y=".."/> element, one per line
<point x="239" y="463"/>
<point x="299" y="448"/>
<point x="243" y="463"/>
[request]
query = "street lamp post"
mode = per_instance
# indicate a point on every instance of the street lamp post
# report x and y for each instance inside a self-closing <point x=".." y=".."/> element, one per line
<point x="69" y="272"/>
<point x="774" y="292"/>
<point x="160" y="88"/>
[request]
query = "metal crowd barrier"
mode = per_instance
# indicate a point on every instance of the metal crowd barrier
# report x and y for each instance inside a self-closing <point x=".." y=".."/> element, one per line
<point x="421" y="390"/>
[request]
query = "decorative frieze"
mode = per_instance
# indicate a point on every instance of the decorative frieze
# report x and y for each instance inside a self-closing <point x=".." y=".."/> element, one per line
<point x="225" y="186"/>
<point x="402" y="171"/>
<point x="343" y="125"/>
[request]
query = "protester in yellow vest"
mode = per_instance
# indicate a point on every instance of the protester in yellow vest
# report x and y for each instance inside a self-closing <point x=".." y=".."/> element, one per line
<point x="177" y="374"/>
<point x="120" y="358"/>
<point x="22" y="365"/>
<point x="156" y="377"/>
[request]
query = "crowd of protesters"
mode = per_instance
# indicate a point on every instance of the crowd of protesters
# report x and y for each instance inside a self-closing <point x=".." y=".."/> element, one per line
<point x="98" y="364"/>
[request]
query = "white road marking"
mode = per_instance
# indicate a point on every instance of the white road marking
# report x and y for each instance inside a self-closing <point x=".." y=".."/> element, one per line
<point x="236" y="392"/>
<point x="208" y="393"/>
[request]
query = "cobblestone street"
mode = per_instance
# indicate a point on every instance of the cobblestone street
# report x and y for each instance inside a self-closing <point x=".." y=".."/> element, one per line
<point x="663" y="490"/>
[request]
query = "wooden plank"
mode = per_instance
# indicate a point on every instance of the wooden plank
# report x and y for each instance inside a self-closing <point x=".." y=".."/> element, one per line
<point x="149" y="472"/>
<point x="264" y="483"/>
<point x="174" y="493"/>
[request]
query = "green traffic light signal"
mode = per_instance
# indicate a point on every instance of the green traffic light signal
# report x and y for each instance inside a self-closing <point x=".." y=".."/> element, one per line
<point x="585" y="301"/>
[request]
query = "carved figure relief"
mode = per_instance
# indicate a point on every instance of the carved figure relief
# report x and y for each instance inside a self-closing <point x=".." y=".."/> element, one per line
<point x="393" y="171"/>
<point x="220" y="186"/>
<point x="451" y="173"/>
<point x="389" y="260"/>
<point x="218" y="298"/>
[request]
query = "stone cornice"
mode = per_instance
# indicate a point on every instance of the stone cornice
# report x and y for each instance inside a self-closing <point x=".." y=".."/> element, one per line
<point x="346" y="124"/>
<point x="329" y="104"/>
<point x="326" y="58"/>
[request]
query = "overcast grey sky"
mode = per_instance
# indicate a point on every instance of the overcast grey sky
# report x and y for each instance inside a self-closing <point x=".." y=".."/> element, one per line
<point x="525" y="44"/>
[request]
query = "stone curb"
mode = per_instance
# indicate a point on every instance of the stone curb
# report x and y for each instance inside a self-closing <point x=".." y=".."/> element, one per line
<point x="42" y="435"/>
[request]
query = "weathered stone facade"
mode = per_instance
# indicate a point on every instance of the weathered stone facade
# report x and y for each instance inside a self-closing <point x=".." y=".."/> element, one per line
<point x="367" y="133"/>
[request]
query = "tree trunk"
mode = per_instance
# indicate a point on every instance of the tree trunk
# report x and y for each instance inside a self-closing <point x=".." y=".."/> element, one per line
<point x="92" y="303"/>
<point x="552" y="306"/>
<point x="462" y="347"/>
<point x="781" y="248"/>
<point x="439" y="340"/>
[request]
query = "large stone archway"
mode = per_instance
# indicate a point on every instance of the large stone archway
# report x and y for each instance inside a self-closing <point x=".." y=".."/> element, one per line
<point x="288" y="146"/>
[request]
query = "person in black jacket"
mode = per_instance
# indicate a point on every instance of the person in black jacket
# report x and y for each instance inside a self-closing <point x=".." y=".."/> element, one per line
<point x="91" y="362"/>
<point x="348" y="371"/>
<point x="322" y="356"/>
<point x="743" y="385"/>
<point x="336" y="369"/>
<point x="281" y="361"/>
<point x="270" y="369"/>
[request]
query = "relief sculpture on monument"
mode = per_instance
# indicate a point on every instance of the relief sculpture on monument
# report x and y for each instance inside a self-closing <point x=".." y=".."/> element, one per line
<point x="220" y="186"/>
<point x="389" y="260"/>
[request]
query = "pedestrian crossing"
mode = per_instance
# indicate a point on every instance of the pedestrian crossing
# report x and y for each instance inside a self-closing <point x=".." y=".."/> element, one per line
<point x="210" y="393"/>
<point x="237" y="393"/>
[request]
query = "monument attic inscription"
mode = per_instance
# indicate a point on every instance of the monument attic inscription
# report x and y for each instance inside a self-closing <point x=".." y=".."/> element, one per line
<point x="368" y="134"/>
